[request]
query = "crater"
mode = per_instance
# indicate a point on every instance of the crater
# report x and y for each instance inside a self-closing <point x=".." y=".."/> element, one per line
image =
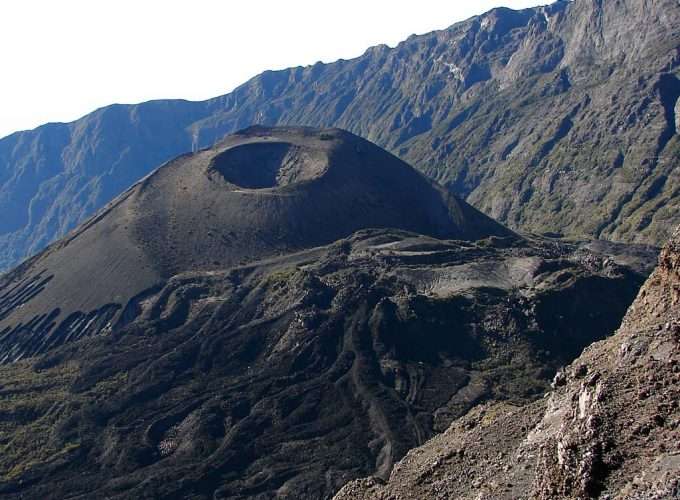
<point x="268" y="165"/>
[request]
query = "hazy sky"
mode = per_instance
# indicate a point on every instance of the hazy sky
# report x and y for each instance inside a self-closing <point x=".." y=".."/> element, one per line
<point x="62" y="59"/>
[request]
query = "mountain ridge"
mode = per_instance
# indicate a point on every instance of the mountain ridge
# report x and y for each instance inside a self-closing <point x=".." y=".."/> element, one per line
<point x="551" y="119"/>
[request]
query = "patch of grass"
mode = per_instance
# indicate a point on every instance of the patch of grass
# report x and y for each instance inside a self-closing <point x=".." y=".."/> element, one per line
<point x="31" y="404"/>
<point x="281" y="275"/>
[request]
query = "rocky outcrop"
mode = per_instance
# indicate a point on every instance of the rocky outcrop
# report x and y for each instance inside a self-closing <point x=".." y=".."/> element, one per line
<point x="557" y="118"/>
<point x="609" y="429"/>
<point x="618" y="414"/>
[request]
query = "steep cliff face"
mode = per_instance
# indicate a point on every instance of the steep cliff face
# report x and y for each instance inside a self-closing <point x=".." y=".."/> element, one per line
<point x="559" y="118"/>
<point x="614" y="428"/>
<point x="610" y="428"/>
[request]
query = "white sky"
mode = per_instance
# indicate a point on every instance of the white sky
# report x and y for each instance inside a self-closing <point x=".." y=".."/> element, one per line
<point x="60" y="59"/>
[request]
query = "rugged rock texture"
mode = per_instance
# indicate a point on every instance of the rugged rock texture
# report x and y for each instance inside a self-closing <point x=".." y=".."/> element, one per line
<point x="610" y="429"/>
<point x="235" y="326"/>
<point x="559" y="118"/>
<point x="287" y="378"/>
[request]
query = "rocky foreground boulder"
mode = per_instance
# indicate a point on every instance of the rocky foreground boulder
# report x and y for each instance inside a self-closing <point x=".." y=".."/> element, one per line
<point x="610" y="428"/>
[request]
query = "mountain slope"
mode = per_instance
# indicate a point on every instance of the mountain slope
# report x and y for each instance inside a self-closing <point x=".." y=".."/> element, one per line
<point x="259" y="193"/>
<point x="289" y="377"/>
<point x="610" y="428"/>
<point x="276" y="316"/>
<point x="561" y="118"/>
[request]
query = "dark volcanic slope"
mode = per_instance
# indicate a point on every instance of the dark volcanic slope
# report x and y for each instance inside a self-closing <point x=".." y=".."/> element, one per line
<point x="288" y="377"/>
<point x="559" y="118"/>
<point x="256" y="194"/>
